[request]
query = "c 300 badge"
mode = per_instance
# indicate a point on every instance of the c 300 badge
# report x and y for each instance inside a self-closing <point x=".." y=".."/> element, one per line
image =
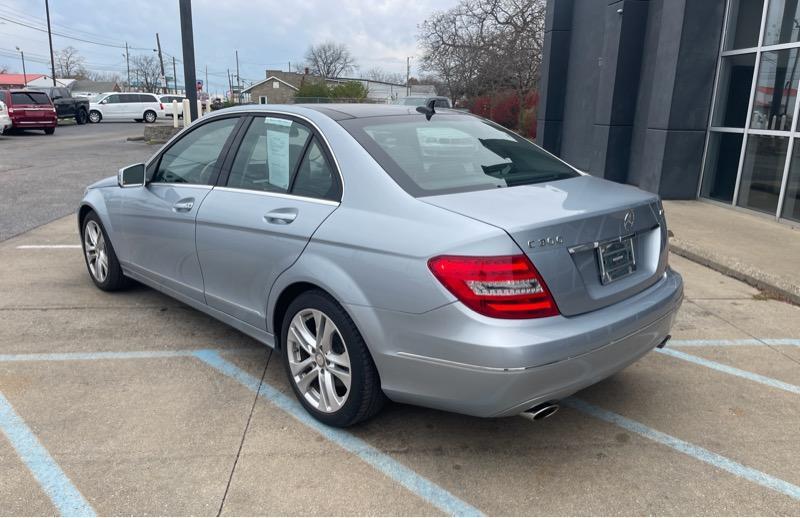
<point x="546" y="241"/>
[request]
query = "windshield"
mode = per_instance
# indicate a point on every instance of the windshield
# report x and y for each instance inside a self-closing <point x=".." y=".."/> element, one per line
<point x="453" y="153"/>
<point x="412" y="101"/>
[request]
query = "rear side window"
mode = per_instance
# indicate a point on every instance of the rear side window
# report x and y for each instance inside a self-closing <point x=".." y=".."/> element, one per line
<point x="453" y="153"/>
<point x="29" y="98"/>
<point x="192" y="159"/>
<point x="269" y="155"/>
<point x="129" y="98"/>
<point x="314" y="178"/>
<point x="144" y="98"/>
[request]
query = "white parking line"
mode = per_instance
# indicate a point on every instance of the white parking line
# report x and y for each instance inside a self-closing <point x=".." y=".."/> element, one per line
<point x="757" y="342"/>
<point x="697" y="452"/>
<point x="45" y="247"/>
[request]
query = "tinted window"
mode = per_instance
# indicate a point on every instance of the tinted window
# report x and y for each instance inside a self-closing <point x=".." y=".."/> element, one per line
<point x="129" y="98"/>
<point x="29" y="98"/>
<point x="441" y="103"/>
<point x="315" y="175"/>
<point x="113" y="99"/>
<point x="453" y="153"/>
<point x="145" y="98"/>
<point x="192" y="158"/>
<point x="268" y="155"/>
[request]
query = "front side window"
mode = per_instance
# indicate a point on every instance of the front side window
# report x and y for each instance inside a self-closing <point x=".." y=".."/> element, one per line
<point x="192" y="159"/>
<point x="453" y="153"/>
<point x="268" y="155"/>
<point x="112" y="99"/>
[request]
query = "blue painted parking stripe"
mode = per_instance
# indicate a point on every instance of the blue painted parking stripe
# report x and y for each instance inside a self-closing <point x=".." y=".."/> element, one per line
<point x="699" y="453"/>
<point x="110" y="355"/>
<point x="738" y="342"/>
<point x="733" y="371"/>
<point x="65" y="497"/>
<point x="408" y="478"/>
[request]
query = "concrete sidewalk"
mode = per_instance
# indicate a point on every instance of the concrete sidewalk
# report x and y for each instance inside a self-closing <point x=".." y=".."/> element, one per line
<point x="756" y="250"/>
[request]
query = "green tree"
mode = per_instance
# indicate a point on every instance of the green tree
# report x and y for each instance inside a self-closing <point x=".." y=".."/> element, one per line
<point x="349" y="90"/>
<point x="314" y="89"/>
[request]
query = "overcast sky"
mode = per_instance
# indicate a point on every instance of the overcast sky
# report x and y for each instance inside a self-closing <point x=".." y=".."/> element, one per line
<point x="267" y="33"/>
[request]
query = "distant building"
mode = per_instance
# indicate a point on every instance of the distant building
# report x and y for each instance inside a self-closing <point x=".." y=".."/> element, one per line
<point x="281" y="87"/>
<point x="18" y="80"/>
<point x="46" y="82"/>
<point x="95" y="87"/>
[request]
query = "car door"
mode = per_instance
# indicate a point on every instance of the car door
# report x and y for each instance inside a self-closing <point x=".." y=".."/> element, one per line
<point x="156" y="223"/>
<point x="112" y="107"/>
<point x="257" y="224"/>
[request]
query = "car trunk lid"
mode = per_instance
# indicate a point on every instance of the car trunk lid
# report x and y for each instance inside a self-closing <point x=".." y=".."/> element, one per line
<point x="564" y="226"/>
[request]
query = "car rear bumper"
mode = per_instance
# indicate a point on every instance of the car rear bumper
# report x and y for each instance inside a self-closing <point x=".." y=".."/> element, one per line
<point x="456" y="360"/>
<point x="39" y="122"/>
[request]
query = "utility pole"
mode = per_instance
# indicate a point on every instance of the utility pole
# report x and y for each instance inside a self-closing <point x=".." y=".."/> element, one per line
<point x="230" y="84"/>
<point x="408" y="75"/>
<point x="174" y="75"/>
<point x="161" y="60"/>
<point x="50" y="37"/>
<point x="24" y="74"/>
<point x="238" y="81"/>
<point x="208" y="89"/>
<point x="128" y="65"/>
<point x="187" y="37"/>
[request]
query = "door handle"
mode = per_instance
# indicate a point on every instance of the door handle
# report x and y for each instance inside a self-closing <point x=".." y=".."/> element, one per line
<point x="184" y="205"/>
<point x="281" y="216"/>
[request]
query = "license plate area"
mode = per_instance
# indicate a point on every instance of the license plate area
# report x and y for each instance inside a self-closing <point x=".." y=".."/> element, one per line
<point x="616" y="259"/>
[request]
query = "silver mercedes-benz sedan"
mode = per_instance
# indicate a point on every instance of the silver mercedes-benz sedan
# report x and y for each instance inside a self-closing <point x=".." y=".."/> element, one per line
<point x="432" y="258"/>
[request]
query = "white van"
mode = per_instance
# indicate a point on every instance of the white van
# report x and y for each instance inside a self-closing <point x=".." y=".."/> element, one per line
<point x="166" y="100"/>
<point x="116" y="106"/>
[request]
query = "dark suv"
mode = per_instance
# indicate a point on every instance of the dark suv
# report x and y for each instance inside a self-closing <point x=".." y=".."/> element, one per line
<point x="29" y="109"/>
<point x="68" y="107"/>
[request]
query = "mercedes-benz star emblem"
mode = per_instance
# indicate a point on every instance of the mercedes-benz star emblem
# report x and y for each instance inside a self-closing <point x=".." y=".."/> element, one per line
<point x="630" y="218"/>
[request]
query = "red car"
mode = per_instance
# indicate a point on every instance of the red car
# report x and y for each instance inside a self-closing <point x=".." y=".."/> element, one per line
<point x="30" y="110"/>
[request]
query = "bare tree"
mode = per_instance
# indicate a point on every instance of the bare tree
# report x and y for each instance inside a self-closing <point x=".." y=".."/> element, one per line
<point x="95" y="75"/>
<point x="379" y="74"/>
<point x="329" y="59"/>
<point x="485" y="46"/>
<point x="70" y="64"/>
<point x="146" y="71"/>
<point x="4" y="69"/>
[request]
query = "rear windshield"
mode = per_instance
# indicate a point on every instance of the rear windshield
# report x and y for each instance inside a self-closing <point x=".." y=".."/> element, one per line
<point x="29" y="98"/>
<point x="453" y="153"/>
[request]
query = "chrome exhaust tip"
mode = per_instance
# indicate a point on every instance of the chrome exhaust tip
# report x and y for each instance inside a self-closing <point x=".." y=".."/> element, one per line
<point x="542" y="411"/>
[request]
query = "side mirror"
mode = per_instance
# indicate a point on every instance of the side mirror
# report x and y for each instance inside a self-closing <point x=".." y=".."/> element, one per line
<point x="131" y="176"/>
<point x="104" y="101"/>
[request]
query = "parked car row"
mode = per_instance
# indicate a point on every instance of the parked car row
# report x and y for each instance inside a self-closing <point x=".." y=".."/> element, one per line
<point x="40" y="108"/>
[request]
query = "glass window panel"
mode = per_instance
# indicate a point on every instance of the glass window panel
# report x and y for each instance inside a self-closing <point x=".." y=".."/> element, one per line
<point x="722" y="163"/>
<point x="791" y="204"/>
<point x="782" y="22"/>
<point x="744" y="24"/>
<point x="773" y="104"/>
<point x="733" y="91"/>
<point x="762" y="171"/>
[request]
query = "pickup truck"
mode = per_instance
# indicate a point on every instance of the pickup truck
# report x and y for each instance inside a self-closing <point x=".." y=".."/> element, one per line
<point x="67" y="107"/>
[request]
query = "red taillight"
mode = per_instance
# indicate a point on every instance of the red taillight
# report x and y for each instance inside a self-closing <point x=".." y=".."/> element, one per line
<point x="501" y="287"/>
<point x="162" y="105"/>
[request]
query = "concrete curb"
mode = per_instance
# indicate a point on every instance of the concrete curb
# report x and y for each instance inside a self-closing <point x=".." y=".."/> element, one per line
<point x="771" y="284"/>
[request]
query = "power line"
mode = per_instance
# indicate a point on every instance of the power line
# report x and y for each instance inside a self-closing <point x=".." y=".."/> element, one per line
<point x="69" y="37"/>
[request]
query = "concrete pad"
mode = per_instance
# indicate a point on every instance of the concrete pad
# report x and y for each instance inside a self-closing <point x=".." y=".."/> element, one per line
<point x="748" y="422"/>
<point x="135" y="436"/>
<point x="695" y="322"/>
<point x="20" y="494"/>
<point x="570" y="464"/>
<point x="704" y="283"/>
<point x="758" y="318"/>
<point x="771" y="361"/>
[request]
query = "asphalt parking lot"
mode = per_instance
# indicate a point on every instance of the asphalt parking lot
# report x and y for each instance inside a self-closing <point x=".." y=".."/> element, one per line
<point x="134" y="404"/>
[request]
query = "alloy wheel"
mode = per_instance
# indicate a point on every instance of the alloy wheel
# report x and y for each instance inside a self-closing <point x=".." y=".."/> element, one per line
<point x="94" y="246"/>
<point x="318" y="360"/>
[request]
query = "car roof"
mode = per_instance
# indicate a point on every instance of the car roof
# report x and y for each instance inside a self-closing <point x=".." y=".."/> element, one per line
<point x="335" y="111"/>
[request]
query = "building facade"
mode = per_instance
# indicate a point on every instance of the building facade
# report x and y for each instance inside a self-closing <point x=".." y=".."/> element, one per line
<point x="686" y="98"/>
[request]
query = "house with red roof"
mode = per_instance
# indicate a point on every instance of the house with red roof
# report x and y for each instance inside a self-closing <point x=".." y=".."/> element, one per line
<point x="17" y="80"/>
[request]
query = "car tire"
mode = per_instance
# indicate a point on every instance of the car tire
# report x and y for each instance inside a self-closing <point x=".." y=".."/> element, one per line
<point x="150" y="116"/>
<point x="81" y="117"/>
<point x="95" y="116"/>
<point x="98" y="253"/>
<point x="344" y="354"/>
<point x="49" y="131"/>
